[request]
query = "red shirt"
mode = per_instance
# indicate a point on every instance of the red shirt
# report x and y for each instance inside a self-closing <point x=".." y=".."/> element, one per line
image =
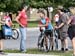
<point x="23" y="18"/>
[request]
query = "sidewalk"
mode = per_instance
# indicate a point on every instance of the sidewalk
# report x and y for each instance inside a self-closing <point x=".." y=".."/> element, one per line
<point x="21" y="54"/>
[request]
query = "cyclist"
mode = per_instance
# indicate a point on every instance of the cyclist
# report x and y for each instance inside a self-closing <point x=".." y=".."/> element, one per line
<point x="7" y="19"/>
<point x="6" y="28"/>
<point x="46" y="23"/>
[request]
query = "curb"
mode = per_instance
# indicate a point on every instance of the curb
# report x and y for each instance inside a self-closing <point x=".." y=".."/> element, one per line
<point x="19" y="54"/>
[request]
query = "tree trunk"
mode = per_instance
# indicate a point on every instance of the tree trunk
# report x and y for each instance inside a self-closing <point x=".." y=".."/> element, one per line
<point x="47" y="12"/>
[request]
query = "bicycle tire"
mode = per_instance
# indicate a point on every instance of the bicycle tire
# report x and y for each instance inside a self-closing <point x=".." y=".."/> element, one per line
<point x="15" y="34"/>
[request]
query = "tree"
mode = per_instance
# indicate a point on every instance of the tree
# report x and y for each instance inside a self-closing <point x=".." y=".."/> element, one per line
<point x="14" y="5"/>
<point x="10" y="5"/>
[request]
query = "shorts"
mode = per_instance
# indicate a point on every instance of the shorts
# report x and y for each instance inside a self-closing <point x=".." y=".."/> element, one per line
<point x="49" y="33"/>
<point x="63" y="35"/>
<point x="71" y="31"/>
<point x="1" y="35"/>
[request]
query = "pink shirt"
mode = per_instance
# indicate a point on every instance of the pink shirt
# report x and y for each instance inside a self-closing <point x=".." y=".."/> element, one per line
<point x="23" y="18"/>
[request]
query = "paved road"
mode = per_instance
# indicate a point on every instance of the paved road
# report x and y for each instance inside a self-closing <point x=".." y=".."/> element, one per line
<point x="32" y="36"/>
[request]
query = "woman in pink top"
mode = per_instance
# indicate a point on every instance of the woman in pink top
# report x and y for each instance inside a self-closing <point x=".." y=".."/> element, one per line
<point x="22" y="21"/>
<point x="71" y="30"/>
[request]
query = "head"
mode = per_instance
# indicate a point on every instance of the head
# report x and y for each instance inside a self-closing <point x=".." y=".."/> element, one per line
<point x="60" y="11"/>
<point x="41" y="13"/>
<point x="72" y="10"/>
<point x="24" y="8"/>
<point x="6" y="14"/>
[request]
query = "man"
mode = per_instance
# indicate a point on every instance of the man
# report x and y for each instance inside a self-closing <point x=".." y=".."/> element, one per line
<point x="63" y="27"/>
<point x="46" y="23"/>
<point x="22" y="21"/>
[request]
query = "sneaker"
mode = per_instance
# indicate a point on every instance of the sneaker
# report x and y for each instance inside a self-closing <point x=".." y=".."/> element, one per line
<point x="24" y="51"/>
<point x="62" y="49"/>
<point x="66" y="49"/>
<point x="2" y="53"/>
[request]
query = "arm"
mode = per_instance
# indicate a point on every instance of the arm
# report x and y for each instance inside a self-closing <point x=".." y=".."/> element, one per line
<point x="2" y="22"/>
<point x="17" y="19"/>
<point x="69" y="21"/>
<point x="60" y="25"/>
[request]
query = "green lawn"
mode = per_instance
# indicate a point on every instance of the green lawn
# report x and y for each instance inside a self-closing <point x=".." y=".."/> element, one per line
<point x="36" y="51"/>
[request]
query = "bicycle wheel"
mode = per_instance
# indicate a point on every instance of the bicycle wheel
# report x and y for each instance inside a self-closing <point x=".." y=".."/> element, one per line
<point x="15" y="34"/>
<point x="46" y="44"/>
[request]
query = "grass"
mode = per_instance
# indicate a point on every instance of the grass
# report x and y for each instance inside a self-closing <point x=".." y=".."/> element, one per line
<point x="36" y="51"/>
<point x="30" y="24"/>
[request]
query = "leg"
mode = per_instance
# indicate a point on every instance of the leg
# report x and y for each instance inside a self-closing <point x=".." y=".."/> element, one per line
<point x="73" y="44"/>
<point x="45" y="39"/>
<point x="46" y="43"/>
<point x="62" y="45"/>
<point x="51" y="39"/>
<point x="51" y="43"/>
<point x="1" y="45"/>
<point x="66" y="44"/>
<point x="23" y="39"/>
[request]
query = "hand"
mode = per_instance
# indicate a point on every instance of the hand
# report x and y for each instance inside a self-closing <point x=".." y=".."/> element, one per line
<point x="39" y="25"/>
<point x="56" y="27"/>
<point x="22" y="25"/>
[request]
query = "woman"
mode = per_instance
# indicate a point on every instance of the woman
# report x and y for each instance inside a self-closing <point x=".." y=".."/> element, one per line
<point x="71" y="29"/>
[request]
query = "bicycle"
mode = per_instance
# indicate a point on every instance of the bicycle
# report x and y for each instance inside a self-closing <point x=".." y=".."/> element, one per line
<point x="42" y="44"/>
<point x="14" y="34"/>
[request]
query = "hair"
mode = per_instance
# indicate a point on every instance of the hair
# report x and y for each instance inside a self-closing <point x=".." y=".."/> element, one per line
<point x="72" y="10"/>
<point x="62" y="10"/>
<point x="24" y="6"/>
<point x="41" y="11"/>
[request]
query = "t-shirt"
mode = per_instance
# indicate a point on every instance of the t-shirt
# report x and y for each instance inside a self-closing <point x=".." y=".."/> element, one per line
<point x="63" y="19"/>
<point x="43" y="21"/>
<point x="23" y="18"/>
<point x="73" y="20"/>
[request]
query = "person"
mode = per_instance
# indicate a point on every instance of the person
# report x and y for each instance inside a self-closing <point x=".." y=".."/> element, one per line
<point x="2" y="22"/>
<point x="7" y="19"/>
<point x="46" y="23"/>
<point x="57" y="35"/>
<point x="63" y="28"/>
<point x="10" y="15"/>
<point x="7" y="26"/>
<point x="22" y="21"/>
<point x="71" y="29"/>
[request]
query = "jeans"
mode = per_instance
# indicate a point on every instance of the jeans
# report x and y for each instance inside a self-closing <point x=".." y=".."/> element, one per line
<point x="23" y="39"/>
